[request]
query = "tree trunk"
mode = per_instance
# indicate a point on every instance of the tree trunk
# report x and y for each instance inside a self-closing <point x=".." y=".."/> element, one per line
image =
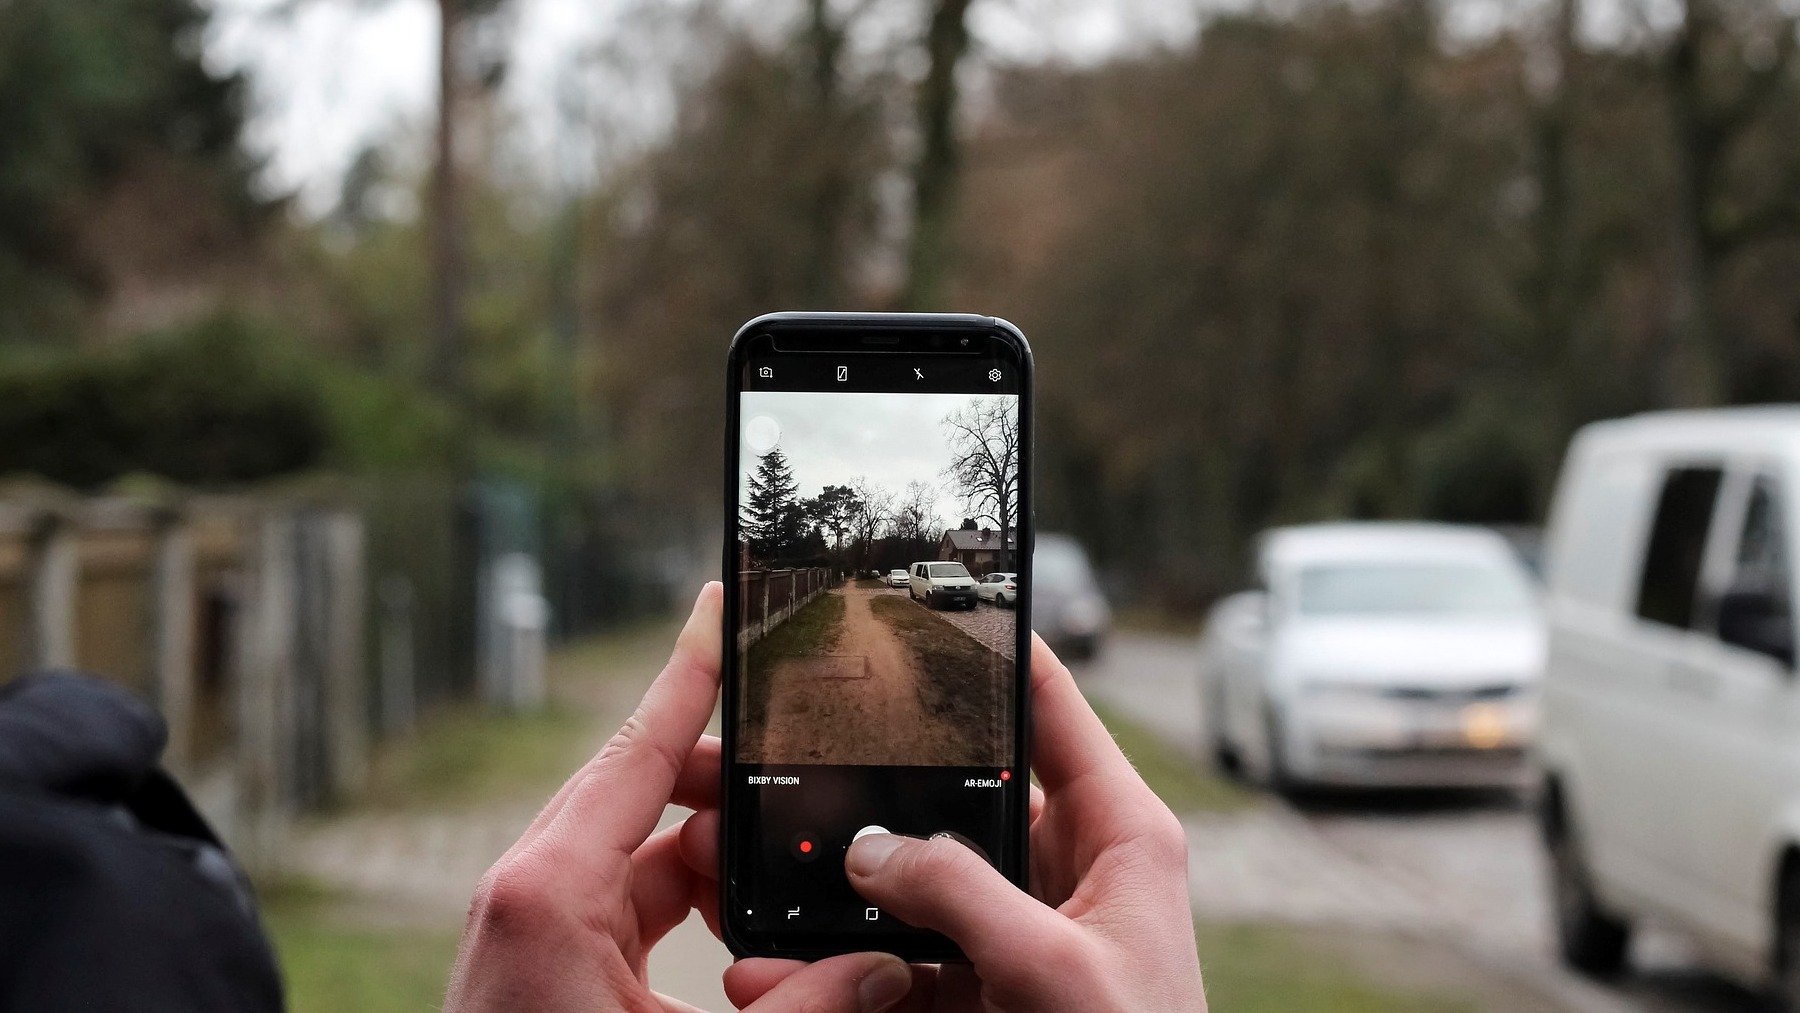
<point x="447" y="266"/>
<point x="935" y="173"/>
<point x="1691" y="374"/>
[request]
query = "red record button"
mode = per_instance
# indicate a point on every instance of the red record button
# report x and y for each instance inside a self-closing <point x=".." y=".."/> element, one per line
<point x="804" y="847"/>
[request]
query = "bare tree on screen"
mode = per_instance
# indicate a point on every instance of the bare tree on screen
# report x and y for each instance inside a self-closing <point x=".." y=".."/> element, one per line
<point x="984" y="439"/>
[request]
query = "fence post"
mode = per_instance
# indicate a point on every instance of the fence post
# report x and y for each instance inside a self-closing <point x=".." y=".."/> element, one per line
<point x="54" y="575"/>
<point x="264" y="690"/>
<point x="765" y="599"/>
<point x="172" y="636"/>
<point x="346" y="691"/>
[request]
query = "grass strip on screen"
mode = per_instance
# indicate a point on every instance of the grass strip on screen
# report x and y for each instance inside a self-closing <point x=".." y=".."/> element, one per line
<point x="811" y="631"/>
<point x="957" y="674"/>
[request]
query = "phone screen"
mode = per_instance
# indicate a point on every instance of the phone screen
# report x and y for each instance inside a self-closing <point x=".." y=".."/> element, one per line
<point x="878" y="601"/>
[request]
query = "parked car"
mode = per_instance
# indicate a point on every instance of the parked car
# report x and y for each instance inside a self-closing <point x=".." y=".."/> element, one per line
<point x="899" y="578"/>
<point x="1067" y="608"/>
<point x="998" y="588"/>
<point x="1671" y="743"/>
<point x="1377" y="655"/>
<point x="942" y="585"/>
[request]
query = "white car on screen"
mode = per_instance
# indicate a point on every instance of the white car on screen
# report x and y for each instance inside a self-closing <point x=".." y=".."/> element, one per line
<point x="942" y="585"/>
<point x="898" y="578"/>
<point x="998" y="588"/>
<point x="1671" y="740"/>
<point x="1378" y="655"/>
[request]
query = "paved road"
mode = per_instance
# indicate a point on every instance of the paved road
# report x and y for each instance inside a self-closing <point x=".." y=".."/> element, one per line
<point x="989" y="624"/>
<point x="1459" y="871"/>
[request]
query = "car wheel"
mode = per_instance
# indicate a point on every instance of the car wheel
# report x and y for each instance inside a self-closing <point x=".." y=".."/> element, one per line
<point x="1590" y="939"/>
<point x="1278" y="776"/>
<point x="1218" y="745"/>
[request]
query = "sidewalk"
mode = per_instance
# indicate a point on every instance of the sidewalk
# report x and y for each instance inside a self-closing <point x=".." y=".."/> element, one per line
<point x="405" y="865"/>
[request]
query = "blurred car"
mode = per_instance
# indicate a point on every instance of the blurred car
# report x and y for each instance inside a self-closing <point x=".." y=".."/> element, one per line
<point x="1067" y="608"/>
<point x="1671" y="742"/>
<point x="999" y="588"/>
<point x="898" y="578"/>
<point x="1378" y="655"/>
<point x="942" y="585"/>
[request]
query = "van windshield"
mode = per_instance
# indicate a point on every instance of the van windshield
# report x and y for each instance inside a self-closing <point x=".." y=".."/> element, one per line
<point x="947" y="570"/>
<point x="1443" y="589"/>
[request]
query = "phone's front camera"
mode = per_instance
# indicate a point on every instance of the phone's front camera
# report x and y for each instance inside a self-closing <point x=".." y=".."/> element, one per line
<point x="965" y="342"/>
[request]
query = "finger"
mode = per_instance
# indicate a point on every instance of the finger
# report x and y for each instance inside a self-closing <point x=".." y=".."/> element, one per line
<point x="662" y="886"/>
<point x="853" y="982"/>
<point x="1037" y="803"/>
<point x="941" y="884"/>
<point x="1068" y="739"/>
<point x="700" y="843"/>
<point x="616" y="800"/>
<point x="697" y="787"/>
<point x="750" y="979"/>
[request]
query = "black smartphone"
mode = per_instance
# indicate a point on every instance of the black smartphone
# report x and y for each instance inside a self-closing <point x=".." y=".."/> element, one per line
<point x="877" y="607"/>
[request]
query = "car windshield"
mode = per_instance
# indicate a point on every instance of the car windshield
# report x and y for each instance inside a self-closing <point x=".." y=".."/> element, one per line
<point x="1446" y="589"/>
<point x="948" y="570"/>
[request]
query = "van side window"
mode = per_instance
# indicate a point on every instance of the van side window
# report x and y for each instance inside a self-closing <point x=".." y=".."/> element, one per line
<point x="1677" y="542"/>
<point x="1756" y="609"/>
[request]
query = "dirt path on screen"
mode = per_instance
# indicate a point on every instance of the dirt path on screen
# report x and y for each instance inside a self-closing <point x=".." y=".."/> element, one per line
<point x="859" y="704"/>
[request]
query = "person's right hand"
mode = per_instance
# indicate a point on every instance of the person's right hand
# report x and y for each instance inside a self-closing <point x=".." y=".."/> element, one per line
<point x="1107" y="925"/>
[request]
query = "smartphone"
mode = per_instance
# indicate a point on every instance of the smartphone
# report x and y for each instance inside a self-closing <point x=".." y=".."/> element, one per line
<point x="877" y="607"/>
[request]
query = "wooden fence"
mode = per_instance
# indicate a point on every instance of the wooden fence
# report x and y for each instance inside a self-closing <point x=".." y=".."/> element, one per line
<point x="767" y="598"/>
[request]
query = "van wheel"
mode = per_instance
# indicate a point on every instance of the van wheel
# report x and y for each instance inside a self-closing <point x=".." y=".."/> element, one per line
<point x="1591" y="940"/>
<point x="1787" y="938"/>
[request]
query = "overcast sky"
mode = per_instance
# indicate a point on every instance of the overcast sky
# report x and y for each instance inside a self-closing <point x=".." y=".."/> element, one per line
<point x="330" y="77"/>
<point x="831" y="439"/>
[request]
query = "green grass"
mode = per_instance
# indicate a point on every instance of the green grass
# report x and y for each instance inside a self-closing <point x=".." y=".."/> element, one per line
<point x="465" y="755"/>
<point x="811" y="631"/>
<point x="1184" y="783"/>
<point x="1251" y="968"/>
<point x="331" y="961"/>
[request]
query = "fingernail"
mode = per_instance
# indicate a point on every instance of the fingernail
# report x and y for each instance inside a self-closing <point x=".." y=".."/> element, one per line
<point x="869" y="854"/>
<point x="884" y="987"/>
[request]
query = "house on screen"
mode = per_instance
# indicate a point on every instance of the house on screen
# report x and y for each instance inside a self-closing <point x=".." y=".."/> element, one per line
<point x="978" y="549"/>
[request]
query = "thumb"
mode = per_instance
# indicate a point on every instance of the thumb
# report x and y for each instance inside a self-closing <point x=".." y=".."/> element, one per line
<point x="853" y="982"/>
<point x="941" y="884"/>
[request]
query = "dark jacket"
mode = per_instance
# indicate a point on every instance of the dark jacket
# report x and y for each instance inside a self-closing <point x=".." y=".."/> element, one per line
<point x="114" y="893"/>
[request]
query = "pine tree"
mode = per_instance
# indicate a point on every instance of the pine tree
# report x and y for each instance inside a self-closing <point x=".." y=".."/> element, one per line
<point x="771" y="520"/>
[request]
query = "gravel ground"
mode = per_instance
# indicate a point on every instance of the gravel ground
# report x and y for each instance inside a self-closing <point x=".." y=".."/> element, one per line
<point x="991" y="625"/>
<point x="1458" y="875"/>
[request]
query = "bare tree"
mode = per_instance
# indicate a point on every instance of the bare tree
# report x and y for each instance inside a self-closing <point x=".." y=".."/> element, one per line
<point x="915" y="519"/>
<point x="940" y="161"/>
<point x="984" y="442"/>
<point x="874" y="507"/>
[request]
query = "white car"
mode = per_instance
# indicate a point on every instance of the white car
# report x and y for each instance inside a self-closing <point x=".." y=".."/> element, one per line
<point x="1671" y="739"/>
<point x="1382" y="655"/>
<point x="898" y="578"/>
<point x="998" y="588"/>
<point x="942" y="585"/>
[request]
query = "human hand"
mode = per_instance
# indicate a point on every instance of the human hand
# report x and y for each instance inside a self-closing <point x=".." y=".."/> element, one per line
<point x="567" y="917"/>
<point x="1107" y="925"/>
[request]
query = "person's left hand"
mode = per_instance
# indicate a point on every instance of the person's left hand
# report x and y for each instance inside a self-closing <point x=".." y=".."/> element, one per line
<point x="567" y="917"/>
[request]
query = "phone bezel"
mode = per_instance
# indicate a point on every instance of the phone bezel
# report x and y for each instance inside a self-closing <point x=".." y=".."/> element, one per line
<point x="910" y="334"/>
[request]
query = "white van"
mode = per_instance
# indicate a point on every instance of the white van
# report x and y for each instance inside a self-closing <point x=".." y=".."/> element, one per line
<point x="1670" y="745"/>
